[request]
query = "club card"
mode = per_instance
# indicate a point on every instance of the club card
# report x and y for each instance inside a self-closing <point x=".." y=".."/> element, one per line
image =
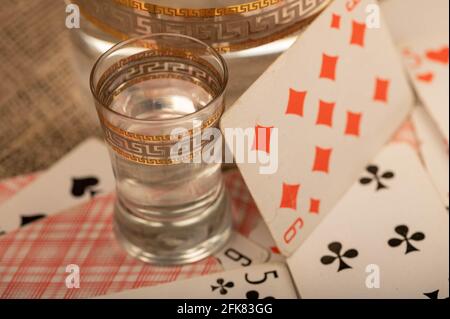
<point x="387" y="238"/>
<point x="241" y="252"/>
<point x="267" y="281"/>
<point x="77" y="177"/>
<point x="433" y="150"/>
<point x="316" y="117"/>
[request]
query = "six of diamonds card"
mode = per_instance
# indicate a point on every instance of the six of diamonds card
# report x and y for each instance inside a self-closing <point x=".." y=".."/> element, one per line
<point x="324" y="117"/>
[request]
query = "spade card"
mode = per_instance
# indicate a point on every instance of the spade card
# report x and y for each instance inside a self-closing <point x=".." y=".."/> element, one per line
<point x="267" y="281"/>
<point x="241" y="252"/>
<point x="77" y="177"/>
<point x="316" y="117"/>
<point x="433" y="150"/>
<point x="387" y="238"/>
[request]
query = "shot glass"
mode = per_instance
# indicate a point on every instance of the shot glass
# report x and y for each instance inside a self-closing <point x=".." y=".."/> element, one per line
<point x="157" y="97"/>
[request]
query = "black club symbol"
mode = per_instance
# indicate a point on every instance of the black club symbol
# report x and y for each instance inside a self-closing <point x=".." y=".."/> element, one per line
<point x="253" y="294"/>
<point x="336" y="248"/>
<point x="377" y="177"/>
<point x="222" y="286"/>
<point x="403" y="231"/>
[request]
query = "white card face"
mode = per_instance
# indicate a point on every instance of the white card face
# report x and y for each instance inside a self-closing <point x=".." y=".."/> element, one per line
<point x="430" y="17"/>
<point x="320" y="113"/>
<point x="434" y="151"/>
<point x="265" y="281"/>
<point x="427" y="62"/>
<point x="387" y="238"/>
<point x="76" y="178"/>
<point x="241" y="252"/>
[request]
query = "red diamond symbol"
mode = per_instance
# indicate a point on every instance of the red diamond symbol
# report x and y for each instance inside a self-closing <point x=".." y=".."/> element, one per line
<point x="296" y="102"/>
<point x="289" y="196"/>
<point x="381" y="90"/>
<point x="353" y="124"/>
<point x="314" y="206"/>
<point x="325" y="115"/>
<point x="328" y="69"/>
<point x="358" y="33"/>
<point x="322" y="159"/>
<point x="335" y="21"/>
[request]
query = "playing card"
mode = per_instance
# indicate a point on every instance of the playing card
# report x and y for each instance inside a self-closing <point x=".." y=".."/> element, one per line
<point x="11" y="186"/>
<point x="430" y="17"/>
<point x="427" y="62"/>
<point x="80" y="175"/>
<point x="267" y="281"/>
<point x="316" y="117"/>
<point x="241" y="252"/>
<point x="387" y="238"/>
<point x="433" y="150"/>
<point x="424" y="46"/>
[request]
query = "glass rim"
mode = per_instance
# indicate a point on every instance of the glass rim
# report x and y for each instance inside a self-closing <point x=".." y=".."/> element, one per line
<point x="121" y="44"/>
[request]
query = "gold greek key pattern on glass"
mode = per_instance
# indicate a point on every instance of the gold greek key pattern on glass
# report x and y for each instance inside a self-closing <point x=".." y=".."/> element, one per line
<point x="156" y="153"/>
<point x="201" y="12"/>
<point x="225" y="33"/>
<point x="210" y="122"/>
<point x="185" y="66"/>
<point x="152" y="161"/>
<point x="158" y="62"/>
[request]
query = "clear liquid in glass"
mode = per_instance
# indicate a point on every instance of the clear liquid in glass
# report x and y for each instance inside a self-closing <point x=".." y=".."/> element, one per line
<point x="166" y="208"/>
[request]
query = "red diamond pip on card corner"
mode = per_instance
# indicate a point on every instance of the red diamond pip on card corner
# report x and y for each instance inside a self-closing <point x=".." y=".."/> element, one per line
<point x="314" y="206"/>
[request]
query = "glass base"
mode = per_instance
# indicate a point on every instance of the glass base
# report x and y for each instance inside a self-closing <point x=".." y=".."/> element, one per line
<point x="174" y="240"/>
